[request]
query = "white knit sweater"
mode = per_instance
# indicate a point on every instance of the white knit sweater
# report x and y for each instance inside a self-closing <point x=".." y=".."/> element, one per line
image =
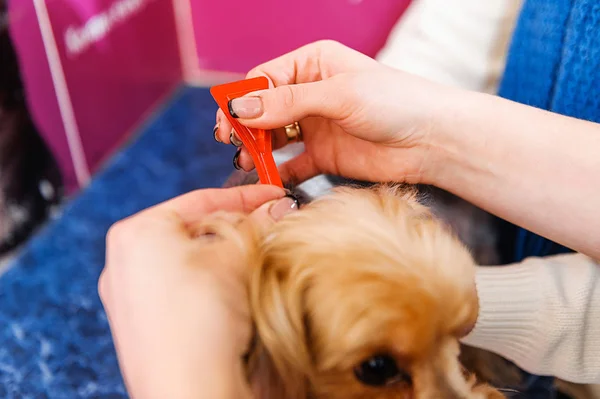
<point x="544" y="315"/>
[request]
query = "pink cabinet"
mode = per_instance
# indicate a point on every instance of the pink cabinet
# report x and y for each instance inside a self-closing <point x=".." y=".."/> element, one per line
<point x="94" y="70"/>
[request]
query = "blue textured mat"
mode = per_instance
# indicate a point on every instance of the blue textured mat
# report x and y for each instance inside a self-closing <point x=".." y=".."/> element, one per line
<point x="54" y="337"/>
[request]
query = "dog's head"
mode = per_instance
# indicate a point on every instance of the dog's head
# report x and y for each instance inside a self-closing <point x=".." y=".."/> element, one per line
<point x="364" y="294"/>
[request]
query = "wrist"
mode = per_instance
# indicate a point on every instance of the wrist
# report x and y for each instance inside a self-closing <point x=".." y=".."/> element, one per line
<point x="212" y="377"/>
<point x="455" y="155"/>
<point x="189" y="366"/>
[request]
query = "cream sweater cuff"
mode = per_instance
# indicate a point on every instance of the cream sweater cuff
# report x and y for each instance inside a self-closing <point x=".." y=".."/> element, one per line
<point x="543" y="314"/>
<point x="509" y="316"/>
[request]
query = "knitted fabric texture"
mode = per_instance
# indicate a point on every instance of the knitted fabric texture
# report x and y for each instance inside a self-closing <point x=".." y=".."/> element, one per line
<point x="554" y="64"/>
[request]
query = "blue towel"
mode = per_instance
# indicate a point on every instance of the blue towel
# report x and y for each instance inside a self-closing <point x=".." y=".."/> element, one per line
<point x="54" y="338"/>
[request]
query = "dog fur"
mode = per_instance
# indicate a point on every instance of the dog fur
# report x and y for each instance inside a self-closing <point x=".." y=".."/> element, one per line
<point x="354" y="275"/>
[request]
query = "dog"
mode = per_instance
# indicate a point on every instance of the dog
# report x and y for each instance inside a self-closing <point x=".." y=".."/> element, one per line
<point x="30" y="181"/>
<point x="364" y="293"/>
<point x="477" y="229"/>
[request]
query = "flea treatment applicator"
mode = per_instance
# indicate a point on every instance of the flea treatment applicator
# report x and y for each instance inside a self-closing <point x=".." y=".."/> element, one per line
<point x="257" y="141"/>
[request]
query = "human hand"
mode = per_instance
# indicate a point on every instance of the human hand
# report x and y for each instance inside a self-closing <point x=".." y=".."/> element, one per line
<point x="359" y="119"/>
<point x="174" y="290"/>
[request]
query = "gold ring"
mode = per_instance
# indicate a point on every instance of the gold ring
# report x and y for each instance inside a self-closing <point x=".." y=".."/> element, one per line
<point x="293" y="133"/>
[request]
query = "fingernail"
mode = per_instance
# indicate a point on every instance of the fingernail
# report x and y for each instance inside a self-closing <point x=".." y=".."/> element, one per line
<point x="236" y="158"/>
<point x="245" y="107"/>
<point x="234" y="139"/>
<point x="286" y="205"/>
<point x="215" y="130"/>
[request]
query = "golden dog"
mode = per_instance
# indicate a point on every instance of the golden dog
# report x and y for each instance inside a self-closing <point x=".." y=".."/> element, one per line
<point x="364" y="293"/>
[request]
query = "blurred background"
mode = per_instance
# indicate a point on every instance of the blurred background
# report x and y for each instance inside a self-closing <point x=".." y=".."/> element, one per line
<point x="79" y="78"/>
<point x="104" y="110"/>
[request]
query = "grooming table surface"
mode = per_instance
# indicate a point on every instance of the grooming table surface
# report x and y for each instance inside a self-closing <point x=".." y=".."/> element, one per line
<point x="54" y="337"/>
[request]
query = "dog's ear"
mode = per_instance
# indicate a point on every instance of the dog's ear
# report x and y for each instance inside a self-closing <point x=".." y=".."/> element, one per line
<point x="262" y="375"/>
<point x="278" y="307"/>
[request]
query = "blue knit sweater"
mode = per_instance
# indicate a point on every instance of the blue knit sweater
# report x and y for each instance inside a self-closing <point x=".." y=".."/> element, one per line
<point x="554" y="64"/>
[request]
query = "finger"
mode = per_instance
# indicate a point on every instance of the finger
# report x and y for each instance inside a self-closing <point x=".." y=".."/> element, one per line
<point x="223" y="133"/>
<point x="298" y="169"/>
<point x="212" y="226"/>
<point x="279" y="138"/>
<point x="304" y="64"/>
<point x="102" y="287"/>
<point x="224" y="128"/>
<point x="226" y="232"/>
<point x="283" y="105"/>
<point x="268" y="214"/>
<point x="243" y="160"/>
<point x="235" y="139"/>
<point x="193" y="206"/>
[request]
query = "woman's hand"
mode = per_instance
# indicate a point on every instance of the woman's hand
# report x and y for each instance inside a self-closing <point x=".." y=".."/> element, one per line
<point x="176" y="298"/>
<point x="365" y="121"/>
<point x="359" y="118"/>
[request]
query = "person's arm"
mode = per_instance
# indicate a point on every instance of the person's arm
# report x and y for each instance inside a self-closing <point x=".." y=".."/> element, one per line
<point x="174" y="291"/>
<point x="365" y="121"/>
<point x="215" y="374"/>
<point x="534" y="168"/>
<point x="544" y="315"/>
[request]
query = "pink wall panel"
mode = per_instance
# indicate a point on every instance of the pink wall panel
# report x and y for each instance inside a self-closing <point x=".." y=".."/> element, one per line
<point x="115" y="81"/>
<point x="236" y="35"/>
<point x="118" y="58"/>
<point x="39" y="89"/>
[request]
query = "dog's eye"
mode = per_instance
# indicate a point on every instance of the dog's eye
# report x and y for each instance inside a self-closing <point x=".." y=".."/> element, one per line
<point x="380" y="370"/>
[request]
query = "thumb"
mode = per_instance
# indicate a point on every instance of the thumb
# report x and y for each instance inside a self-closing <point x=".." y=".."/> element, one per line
<point x="266" y="215"/>
<point x="283" y="105"/>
